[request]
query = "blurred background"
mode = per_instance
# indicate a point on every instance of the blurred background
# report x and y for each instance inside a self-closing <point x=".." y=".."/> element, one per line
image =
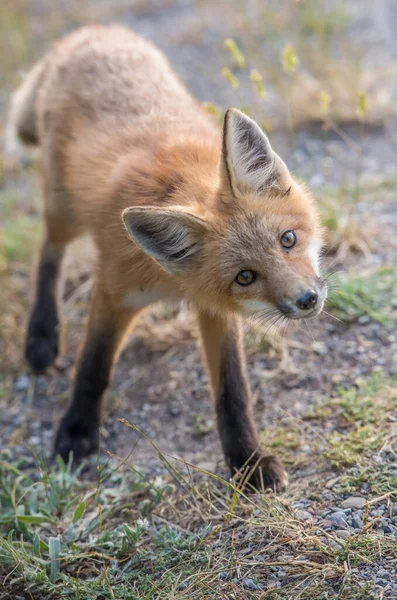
<point x="321" y="77"/>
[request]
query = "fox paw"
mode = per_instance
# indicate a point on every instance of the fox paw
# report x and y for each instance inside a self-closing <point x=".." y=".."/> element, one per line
<point x="260" y="473"/>
<point x="41" y="346"/>
<point x="77" y="438"/>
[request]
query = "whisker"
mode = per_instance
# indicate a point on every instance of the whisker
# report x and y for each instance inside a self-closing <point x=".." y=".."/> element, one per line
<point x="332" y="316"/>
<point x="332" y="274"/>
<point x="309" y="331"/>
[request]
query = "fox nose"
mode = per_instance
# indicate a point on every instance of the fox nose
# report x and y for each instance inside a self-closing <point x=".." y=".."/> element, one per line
<point x="307" y="300"/>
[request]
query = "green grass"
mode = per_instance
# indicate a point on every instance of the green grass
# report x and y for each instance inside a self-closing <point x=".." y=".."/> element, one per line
<point x="369" y="295"/>
<point x="18" y="238"/>
<point x="284" y="440"/>
<point x="378" y="480"/>
<point x="347" y="449"/>
<point x="189" y="533"/>
<point x="126" y="537"/>
<point x="360" y="416"/>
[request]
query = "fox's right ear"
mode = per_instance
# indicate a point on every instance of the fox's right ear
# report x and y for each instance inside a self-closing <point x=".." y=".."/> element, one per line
<point x="173" y="236"/>
<point x="249" y="163"/>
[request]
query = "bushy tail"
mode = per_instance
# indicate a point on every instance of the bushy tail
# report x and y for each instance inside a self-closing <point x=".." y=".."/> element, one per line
<point x="22" y="120"/>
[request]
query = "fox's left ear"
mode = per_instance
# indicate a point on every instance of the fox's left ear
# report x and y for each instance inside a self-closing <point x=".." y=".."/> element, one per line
<point x="173" y="236"/>
<point x="249" y="163"/>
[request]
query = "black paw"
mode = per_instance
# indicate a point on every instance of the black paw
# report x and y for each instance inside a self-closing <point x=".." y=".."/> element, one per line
<point x="76" y="437"/>
<point x="260" y="473"/>
<point x="41" y="345"/>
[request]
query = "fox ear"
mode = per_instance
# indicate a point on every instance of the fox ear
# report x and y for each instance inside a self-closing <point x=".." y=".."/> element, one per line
<point x="249" y="161"/>
<point x="172" y="236"/>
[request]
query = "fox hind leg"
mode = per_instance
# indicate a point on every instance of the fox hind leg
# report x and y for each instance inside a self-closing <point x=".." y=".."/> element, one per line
<point x="61" y="227"/>
<point x="78" y="432"/>
<point x="43" y="329"/>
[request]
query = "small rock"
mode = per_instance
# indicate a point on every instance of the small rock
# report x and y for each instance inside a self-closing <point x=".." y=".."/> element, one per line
<point x="357" y="522"/>
<point x="183" y="586"/>
<point x="327" y="525"/>
<point x="281" y="574"/>
<point x="22" y="383"/>
<point x="383" y="573"/>
<point x="331" y="543"/>
<point x="320" y="347"/>
<point x="174" y="411"/>
<point x="330" y="484"/>
<point x="343" y="533"/>
<point x="337" y="518"/>
<point x="249" y="584"/>
<point x="304" y="515"/>
<point x="387" y="528"/>
<point x="273" y="583"/>
<point x="354" y="502"/>
<point x="223" y="576"/>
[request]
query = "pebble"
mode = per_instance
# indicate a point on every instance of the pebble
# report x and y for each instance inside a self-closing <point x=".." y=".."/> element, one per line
<point x="330" y="484"/>
<point x="357" y="523"/>
<point x="304" y="515"/>
<point x="320" y="347"/>
<point x="273" y="583"/>
<point x="22" y="383"/>
<point x="281" y="574"/>
<point x="387" y="528"/>
<point x="249" y="584"/>
<point x="183" y="586"/>
<point x="343" y="533"/>
<point x="383" y="573"/>
<point x="338" y="520"/>
<point x="354" y="502"/>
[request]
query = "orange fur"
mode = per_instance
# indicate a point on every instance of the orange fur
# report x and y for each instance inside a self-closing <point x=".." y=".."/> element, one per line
<point x="122" y="139"/>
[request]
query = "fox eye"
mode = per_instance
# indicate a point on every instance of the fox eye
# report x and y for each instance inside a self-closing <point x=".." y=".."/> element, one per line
<point x="245" y="278"/>
<point x="288" y="239"/>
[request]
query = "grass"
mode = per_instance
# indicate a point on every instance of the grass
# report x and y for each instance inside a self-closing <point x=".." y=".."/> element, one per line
<point x="284" y="440"/>
<point x="18" y="238"/>
<point x="364" y="296"/>
<point x="188" y="534"/>
<point x="375" y="478"/>
<point x="362" y="418"/>
<point x="314" y="29"/>
<point x="345" y="230"/>
<point x="124" y="535"/>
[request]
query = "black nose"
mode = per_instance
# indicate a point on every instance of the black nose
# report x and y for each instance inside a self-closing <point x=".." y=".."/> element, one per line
<point x="307" y="300"/>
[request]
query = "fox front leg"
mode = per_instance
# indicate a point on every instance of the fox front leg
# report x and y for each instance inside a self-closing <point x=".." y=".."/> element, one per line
<point x="224" y="354"/>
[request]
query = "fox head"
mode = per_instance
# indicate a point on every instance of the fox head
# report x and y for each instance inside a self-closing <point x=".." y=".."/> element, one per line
<point x="253" y="246"/>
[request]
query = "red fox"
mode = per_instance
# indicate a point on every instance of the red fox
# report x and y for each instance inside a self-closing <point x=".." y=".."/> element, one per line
<point x="177" y="209"/>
